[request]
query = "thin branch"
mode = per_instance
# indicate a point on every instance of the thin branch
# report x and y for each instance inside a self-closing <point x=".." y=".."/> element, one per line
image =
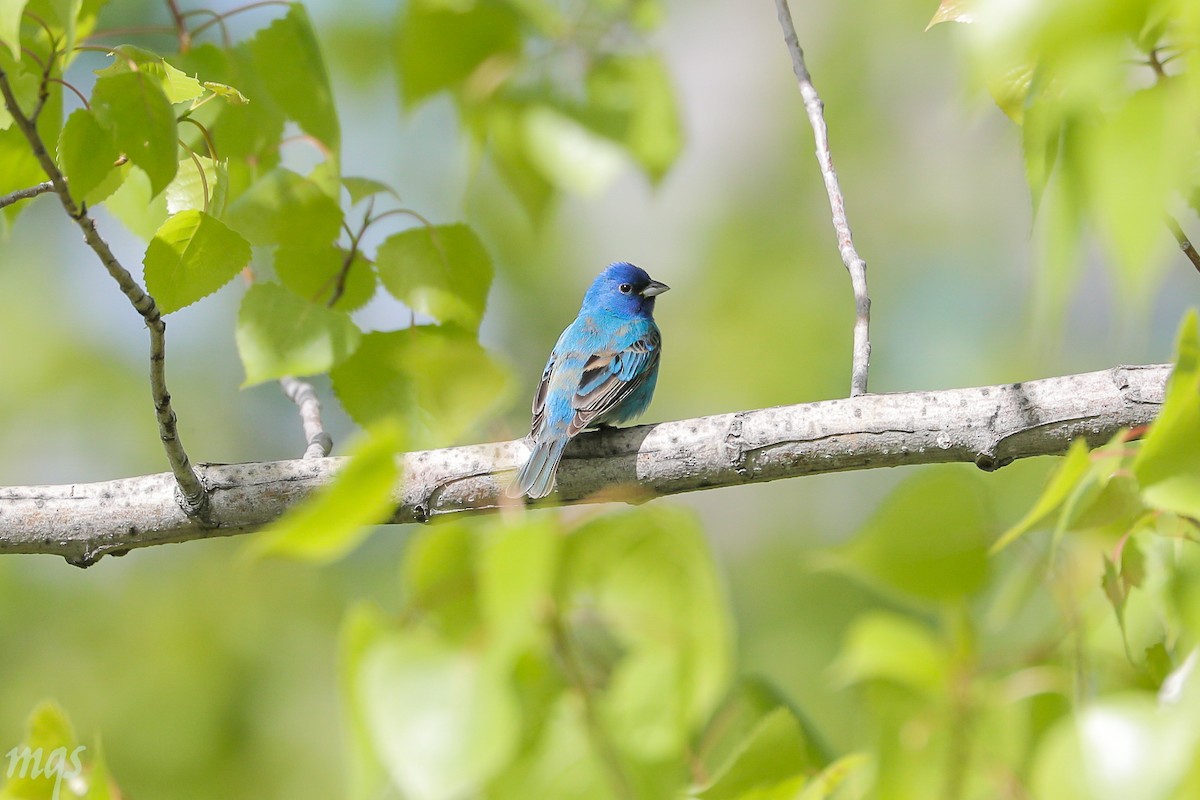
<point x="854" y="263"/>
<point x="25" y="194"/>
<point x="988" y="426"/>
<point x="181" y="28"/>
<point x="1185" y="244"/>
<point x="319" y="443"/>
<point x="194" y="497"/>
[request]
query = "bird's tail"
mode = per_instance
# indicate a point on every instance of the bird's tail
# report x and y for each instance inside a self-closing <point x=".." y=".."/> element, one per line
<point x="536" y="477"/>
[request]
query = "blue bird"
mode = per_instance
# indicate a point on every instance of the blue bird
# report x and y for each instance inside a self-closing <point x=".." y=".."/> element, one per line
<point x="602" y="371"/>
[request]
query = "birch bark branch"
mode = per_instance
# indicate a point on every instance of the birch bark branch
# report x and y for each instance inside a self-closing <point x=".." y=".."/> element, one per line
<point x="989" y="426"/>
<point x="837" y="204"/>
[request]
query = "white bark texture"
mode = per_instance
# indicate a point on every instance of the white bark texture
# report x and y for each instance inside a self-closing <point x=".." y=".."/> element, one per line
<point x="989" y="426"/>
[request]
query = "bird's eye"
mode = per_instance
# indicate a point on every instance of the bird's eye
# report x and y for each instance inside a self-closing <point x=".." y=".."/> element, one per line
<point x="625" y="288"/>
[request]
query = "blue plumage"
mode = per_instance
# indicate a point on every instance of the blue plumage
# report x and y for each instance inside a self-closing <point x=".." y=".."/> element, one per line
<point x="602" y="371"/>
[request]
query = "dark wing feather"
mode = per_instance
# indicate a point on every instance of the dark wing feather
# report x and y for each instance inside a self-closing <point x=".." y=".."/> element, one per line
<point x="539" y="398"/>
<point x="609" y="378"/>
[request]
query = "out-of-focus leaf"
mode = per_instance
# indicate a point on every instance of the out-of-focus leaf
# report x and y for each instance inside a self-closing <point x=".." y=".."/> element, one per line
<point x="1072" y="469"/>
<point x="332" y="522"/>
<point x="922" y="545"/>
<point x="733" y="721"/>
<point x="10" y="30"/>
<point x="98" y="779"/>
<point x="442" y="48"/>
<point x="953" y="11"/>
<point x="826" y="783"/>
<point x="133" y="107"/>
<point x="1134" y="160"/>
<point x="362" y="188"/>
<point x="775" y="751"/>
<point x="889" y="647"/>
<point x="312" y="271"/>
<point x="280" y="334"/>
<point x="190" y="257"/>
<point x="287" y="209"/>
<point x="1115" y="749"/>
<point x="86" y="153"/>
<point x="363" y="626"/>
<point x="510" y="153"/>
<point x="440" y="581"/>
<point x="567" y="153"/>
<point x="538" y="772"/>
<point x="37" y="768"/>
<point x="647" y="578"/>
<point x="200" y="184"/>
<point x="135" y="205"/>
<point x="443" y="271"/>
<point x="518" y="561"/>
<point x="438" y="380"/>
<point x="289" y="62"/>
<point x="631" y="101"/>
<point x="442" y="720"/>
<point x="24" y="83"/>
<point x="1168" y="464"/>
<point x="177" y="86"/>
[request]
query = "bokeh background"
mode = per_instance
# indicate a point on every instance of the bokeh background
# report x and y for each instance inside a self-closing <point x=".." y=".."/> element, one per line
<point x="210" y="676"/>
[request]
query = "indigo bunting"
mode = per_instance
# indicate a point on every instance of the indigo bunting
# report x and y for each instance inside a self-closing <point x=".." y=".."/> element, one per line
<point x="602" y="371"/>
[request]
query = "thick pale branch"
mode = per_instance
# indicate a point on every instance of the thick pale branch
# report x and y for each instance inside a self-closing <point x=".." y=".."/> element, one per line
<point x="837" y="204"/>
<point x="989" y="426"/>
<point x="192" y="494"/>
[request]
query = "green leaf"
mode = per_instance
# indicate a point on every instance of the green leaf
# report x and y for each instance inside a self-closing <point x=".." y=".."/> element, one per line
<point x="10" y="29"/>
<point x="227" y="93"/>
<point x="98" y="776"/>
<point x="826" y="783"/>
<point x="200" y="184"/>
<point x="279" y="334"/>
<point x="289" y="63"/>
<point x="881" y="645"/>
<point x="645" y="582"/>
<point x="176" y="85"/>
<point x="443" y="720"/>
<point x="1074" y="466"/>
<point x="363" y="626"/>
<point x="37" y="768"/>
<point x="133" y="107"/>
<point x="24" y="83"/>
<point x="86" y="153"/>
<point x="438" y="380"/>
<point x="774" y="752"/>
<point x="569" y="154"/>
<point x="190" y="257"/>
<point x="954" y="11"/>
<point x="441" y="48"/>
<point x="287" y="209"/>
<point x="134" y="204"/>
<point x="510" y="152"/>
<point x="329" y="524"/>
<point x="362" y="188"/>
<point x="311" y="271"/>
<point x="1168" y="464"/>
<point x="439" y="580"/>
<point x="922" y="545"/>
<point x="631" y="101"/>
<point x="443" y="271"/>
<point x="517" y="565"/>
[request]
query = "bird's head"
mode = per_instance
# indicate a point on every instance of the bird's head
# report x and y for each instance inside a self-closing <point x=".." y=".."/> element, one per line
<point x="623" y="289"/>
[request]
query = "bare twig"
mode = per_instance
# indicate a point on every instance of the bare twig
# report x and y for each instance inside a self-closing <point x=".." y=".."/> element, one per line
<point x="1185" y="244"/>
<point x="319" y="443"/>
<point x="989" y="426"/>
<point x="854" y="264"/>
<point x="193" y="496"/>
<point x="25" y="194"/>
<point x="181" y="28"/>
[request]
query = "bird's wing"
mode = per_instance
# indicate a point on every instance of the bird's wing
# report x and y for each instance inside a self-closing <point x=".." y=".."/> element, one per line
<point x="610" y="377"/>
<point x="539" y="398"/>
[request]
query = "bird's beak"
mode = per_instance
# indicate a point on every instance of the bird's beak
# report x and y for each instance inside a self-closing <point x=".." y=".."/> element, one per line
<point x="653" y="288"/>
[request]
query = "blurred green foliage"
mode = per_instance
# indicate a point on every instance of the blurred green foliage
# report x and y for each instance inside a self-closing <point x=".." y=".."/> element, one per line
<point x="843" y="636"/>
